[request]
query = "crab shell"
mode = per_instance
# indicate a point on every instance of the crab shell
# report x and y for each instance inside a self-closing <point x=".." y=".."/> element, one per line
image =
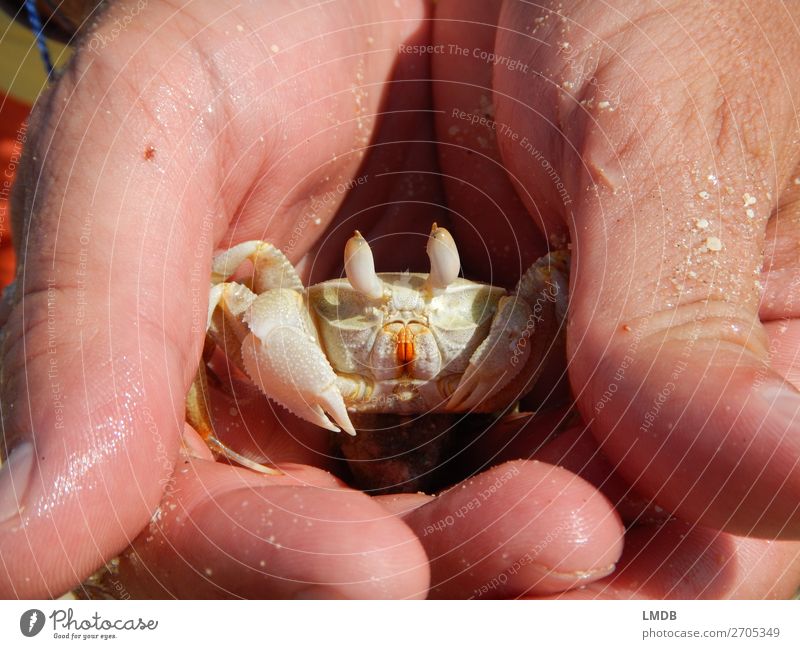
<point x="402" y="343"/>
<point x="405" y="351"/>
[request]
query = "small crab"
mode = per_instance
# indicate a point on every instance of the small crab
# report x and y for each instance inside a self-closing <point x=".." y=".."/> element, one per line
<point x="401" y="343"/>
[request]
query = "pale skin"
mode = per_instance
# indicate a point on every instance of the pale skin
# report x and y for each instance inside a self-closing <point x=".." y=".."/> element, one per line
<point x="148" y="156"/>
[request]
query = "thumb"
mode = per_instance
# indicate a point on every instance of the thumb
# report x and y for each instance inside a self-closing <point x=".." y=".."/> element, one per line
<point x="672" y="139"/>
<point x="96" y="354"/>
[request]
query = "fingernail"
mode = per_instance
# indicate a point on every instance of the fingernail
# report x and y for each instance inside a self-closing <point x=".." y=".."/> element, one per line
<point x="592" y="574"/>
<point x="319" y="592"/>
<point x="783" y="401"/>
<point x="15" y="475"/>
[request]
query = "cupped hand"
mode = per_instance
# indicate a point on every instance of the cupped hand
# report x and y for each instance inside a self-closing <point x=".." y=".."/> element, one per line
<point x="195" y="129"/>
<point x="663" y="143"/>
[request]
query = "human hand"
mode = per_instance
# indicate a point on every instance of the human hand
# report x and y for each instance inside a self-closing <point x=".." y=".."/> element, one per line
<point x="154" y="149"/>
<point x="655" y="140"/>
<point x="212" y="533"/>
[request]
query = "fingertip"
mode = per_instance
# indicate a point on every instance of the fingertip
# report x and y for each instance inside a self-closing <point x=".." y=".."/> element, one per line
<point x="274" y="538"/>
<point x="520" y="527"/>
<point x="82" y="502"/>
<point x="402" y="504"/>
<point x="576" y="450"/>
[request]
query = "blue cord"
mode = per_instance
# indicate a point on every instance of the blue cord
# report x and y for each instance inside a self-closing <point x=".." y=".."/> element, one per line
<point x="36" y="26"/>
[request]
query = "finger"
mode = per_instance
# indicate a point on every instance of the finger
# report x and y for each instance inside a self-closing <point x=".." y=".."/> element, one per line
<point x="680" y="561"/>
<point x="577" y="451"/>
<point x="93" y="380"/>
<point x="781" y="273"/>
<point x="522" y="527"/>
<point x="498" y="239"/>
<point x="225" y="532"/>
<point x="553" y="438"/>
<point x="668" y="356"/>
<point x="784" y="345"/>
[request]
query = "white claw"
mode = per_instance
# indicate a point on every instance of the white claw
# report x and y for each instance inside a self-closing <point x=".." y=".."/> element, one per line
<point x="472" y="390"/>
<point x="359" y="266"/>
<point x="498" y="359"/>
<point x="443" y="254"/>
<point x="333" y="403"/>
<point x="283" y="358"/>
<point x="292" y="370"/>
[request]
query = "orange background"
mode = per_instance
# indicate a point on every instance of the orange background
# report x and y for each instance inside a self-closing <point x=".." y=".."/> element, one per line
<point x="22" y="77"/>
<point x="12" y="114"/>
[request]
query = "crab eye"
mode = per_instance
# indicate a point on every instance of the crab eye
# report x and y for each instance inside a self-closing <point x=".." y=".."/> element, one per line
<point x="359" y="266"/>
<point x="443" y="255"/>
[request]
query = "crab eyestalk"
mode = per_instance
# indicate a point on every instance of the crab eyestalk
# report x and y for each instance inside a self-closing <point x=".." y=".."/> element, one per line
<point x="359" y="266"/>
<point x="443" y="254"/>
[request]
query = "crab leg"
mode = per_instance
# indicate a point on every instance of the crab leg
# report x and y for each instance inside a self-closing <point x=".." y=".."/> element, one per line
<point x="271" y="269"/>
<point x="227" y="304"/>
<point x="523" y="329"/>
<point x="199" y="417"/>
<point x="268" y="330"/>
<point x="264" y="328"/>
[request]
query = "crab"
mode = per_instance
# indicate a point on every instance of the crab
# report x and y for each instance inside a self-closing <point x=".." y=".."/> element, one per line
<point x="402" y="343"/>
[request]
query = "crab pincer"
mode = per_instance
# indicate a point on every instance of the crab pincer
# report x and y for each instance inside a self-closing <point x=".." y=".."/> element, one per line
<point x="262" y="323"/>
<point x="526" y="325"/>
<point x="282" y="356"/>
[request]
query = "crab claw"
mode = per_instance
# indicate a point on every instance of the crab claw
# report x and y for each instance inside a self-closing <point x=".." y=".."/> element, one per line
<point x="282" y="356"/>
<point x="525" y="330"/>
<point x="498" y="359"/>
